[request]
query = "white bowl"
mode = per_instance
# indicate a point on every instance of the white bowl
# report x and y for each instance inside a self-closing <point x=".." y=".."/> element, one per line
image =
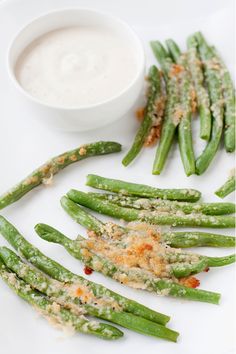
<point x="91" y="116"/>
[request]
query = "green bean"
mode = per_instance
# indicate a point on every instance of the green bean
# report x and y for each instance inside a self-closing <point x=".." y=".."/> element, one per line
<point x="162" y="57"/>
<point x="44" y="173"/>
<point x="213" y="80"/>
<point x="181" y="291"/>
<point x="203" y="100"/>
<point x="220" y="261"/>
<point x="227" y="188"/>
<point x="172" y="107"/>
<point x="184" y="270"/>
<point x="142" y="190"/>
<point x="187" y="239"/>
<point x="229" y="104"/>
<point x="186" y="101"/>
<point x="166" y="205"/>
<point x="155" y="97"/>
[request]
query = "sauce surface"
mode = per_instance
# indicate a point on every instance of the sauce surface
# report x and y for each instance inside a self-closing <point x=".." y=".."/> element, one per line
<point x="76" y="66"/>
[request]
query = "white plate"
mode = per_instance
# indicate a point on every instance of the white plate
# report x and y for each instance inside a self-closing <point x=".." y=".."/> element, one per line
<point x="25" y="144"/>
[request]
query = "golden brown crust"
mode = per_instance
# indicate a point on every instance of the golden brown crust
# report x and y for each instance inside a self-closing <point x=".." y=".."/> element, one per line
<point x="190" y="282"/>
<point x="61" y="159"/>
<point x="175" y="70"/>
<point x="140" y="113"/>
<point x="73" y="157"/>
<point x="82" y="151"/>
<point x="31" y="180"/>
<point x="193" y="100"/>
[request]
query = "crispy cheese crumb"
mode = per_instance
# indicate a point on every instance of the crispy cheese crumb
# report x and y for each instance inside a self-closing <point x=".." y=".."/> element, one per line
<point x="175" y="70"/>
<point x="47" y="181"/>
<point x="31" y="180"/>
<point x="190" y="282"/>
<point x="60" y="159"/>
<point x="178" y="114"/>
<point x="73" y="157"/>
<point x="140" y="114"/>
<point x="193" y="100"/>
<point x="82" y="151"/>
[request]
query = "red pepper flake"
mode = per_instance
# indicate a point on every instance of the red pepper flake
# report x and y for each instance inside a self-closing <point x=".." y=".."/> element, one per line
<point x="207" y="269"/>
<point x="88" y="270"/>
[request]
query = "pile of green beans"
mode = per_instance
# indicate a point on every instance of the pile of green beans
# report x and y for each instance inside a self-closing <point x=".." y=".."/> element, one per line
<point x="107" y="267"/>
<point x="134" y="202"/>
<point x="81" y="250"/>
<point x="44" y="283"/>
<point x="197" y="79"/>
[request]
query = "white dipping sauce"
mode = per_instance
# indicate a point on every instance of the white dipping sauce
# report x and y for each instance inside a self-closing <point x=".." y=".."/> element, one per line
<point x="77" y="66"/>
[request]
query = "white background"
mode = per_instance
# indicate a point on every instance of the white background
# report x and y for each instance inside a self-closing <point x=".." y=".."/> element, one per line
<point x="25" y="143"/>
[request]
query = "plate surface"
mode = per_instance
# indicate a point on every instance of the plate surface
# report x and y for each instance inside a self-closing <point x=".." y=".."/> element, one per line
<point x="25" y="143"/>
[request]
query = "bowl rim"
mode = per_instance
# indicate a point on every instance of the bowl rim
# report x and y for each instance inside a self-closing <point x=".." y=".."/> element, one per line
<point x="118" y="20"/>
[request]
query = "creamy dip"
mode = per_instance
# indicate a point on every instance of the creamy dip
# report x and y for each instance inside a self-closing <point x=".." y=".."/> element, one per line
<point x="77" y="66"/>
